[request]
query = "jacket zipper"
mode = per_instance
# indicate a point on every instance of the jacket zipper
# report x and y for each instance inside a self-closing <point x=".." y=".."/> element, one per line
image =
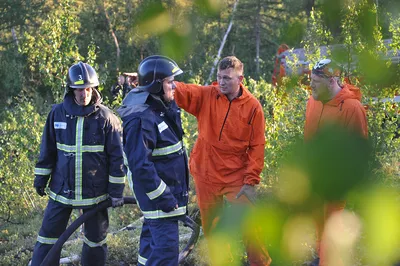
<point x="251" y="117"/>
<point x="226" y="116"/>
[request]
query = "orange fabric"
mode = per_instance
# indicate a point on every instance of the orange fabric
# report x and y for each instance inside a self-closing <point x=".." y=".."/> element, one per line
<point x="322" y="244"/>
<point x="345" y="109"/>
<point x="230" y="146"/>
<point x="210" y="201"/>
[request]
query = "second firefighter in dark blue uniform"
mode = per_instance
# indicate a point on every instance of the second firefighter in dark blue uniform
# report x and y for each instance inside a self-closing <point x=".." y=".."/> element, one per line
<point x="157" y="159"/>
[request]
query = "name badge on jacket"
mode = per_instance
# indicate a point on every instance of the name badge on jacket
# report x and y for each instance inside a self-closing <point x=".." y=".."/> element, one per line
<point x="162" y="126"/>
<point x="60" y="125"/>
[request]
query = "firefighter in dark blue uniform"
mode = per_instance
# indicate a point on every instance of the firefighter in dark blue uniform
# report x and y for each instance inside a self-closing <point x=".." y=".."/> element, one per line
<point x="157" y="159"/>
<point x="80" y="165"/>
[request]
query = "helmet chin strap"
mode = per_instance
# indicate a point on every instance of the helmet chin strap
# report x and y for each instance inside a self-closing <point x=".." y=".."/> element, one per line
<point x="161" y="91"/>
<point x="159" y="99"/>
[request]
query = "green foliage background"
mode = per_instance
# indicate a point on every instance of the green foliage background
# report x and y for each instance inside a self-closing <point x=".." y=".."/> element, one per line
<point x="40" y="39"/>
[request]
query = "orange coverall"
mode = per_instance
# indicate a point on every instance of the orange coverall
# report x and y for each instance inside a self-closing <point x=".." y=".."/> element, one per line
<point x="346" y="110"/>
<point x="229" y="151"/>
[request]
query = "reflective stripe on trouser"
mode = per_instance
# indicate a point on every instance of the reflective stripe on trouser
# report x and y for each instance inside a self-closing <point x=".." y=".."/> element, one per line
<point x="54" y="223"/>
<point x="94" y="250"/>
<point x="210" y="200"/>
<point x="159" y="243"/>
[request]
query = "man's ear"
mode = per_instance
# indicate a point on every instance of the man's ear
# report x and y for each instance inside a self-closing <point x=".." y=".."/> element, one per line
<point x="241" y="78"/>
<point x="332" y="81"/>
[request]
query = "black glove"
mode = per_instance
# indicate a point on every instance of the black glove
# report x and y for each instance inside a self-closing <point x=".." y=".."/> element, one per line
<point x="117" y="202"/>
<point x="168" y="205"/>
<point x="40" y="191"/>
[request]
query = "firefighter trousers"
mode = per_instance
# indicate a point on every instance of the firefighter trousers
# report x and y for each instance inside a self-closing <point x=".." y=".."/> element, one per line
<point x="55" y="220"/>
<point x="159" y="242"/>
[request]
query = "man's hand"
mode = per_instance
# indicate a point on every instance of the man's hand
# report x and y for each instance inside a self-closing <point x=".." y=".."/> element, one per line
<point x="249" y="191"/>
<point x="40" y="191"/>
<point x="117" y="202"/>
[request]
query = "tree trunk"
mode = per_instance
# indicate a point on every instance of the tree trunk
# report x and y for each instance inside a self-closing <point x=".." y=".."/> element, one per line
<point x="222" y="44"/>
<point x="309" y="6"/>
<point x="114" y="36"/>
<point x="258" y="32"/>
<point x="14" y="35"/>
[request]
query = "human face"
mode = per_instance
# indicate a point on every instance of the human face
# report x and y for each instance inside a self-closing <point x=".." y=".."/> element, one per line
<point x="229" y="82"/>
<point x="321" y="88"/>
<point x="169" y="89"/>
<point x="83" y="96"/>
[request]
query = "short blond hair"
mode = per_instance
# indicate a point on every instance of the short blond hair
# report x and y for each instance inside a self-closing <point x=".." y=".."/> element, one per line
<point x="231" y="62"/>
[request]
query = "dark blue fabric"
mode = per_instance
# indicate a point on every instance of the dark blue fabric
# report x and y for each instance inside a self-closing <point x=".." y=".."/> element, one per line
<point x="141" y="136"/>
<point x="150" y="124"/>
<point x="54" y="223"/>
<point x="159" y="242"/>
<point x="101" y="127"/>
<point x="95" y="231"/>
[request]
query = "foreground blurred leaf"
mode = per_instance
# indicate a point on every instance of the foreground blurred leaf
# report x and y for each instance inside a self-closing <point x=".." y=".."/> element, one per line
<point x="209" y="6"/>
<point x="155" y="19"/>
<point x="336" y="160"/>
<point x="380" y="209"/>
<point x="175" y="45"/>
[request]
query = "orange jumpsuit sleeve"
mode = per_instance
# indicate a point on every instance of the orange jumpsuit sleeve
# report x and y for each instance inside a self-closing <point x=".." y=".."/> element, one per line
<point x="189" y="97"/>
<point x="256" y="148"/>
<point x="357" y="119"/>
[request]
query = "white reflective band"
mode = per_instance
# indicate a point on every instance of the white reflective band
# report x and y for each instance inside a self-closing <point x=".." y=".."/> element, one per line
<point x="78" y="157"/>
<point x="142" y="260"/>
<point x="160" y="214"/>
<point x="85" y="148"/>
<point x="168" y="150"/>
<point x="129" y="175"/>
<point x="156" y="193"/>
<point x="125" y="160"/>
<point x="47" y="240"/>
<point x="116" y="180"/>
<point x="42" y="171"/>
<point x="94" y="244"/>
<point x="76" y="202"/>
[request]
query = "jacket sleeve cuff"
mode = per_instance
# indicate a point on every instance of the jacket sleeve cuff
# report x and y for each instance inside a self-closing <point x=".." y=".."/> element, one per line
<point x="41" y="180"/>
<point x="251" y="181"/>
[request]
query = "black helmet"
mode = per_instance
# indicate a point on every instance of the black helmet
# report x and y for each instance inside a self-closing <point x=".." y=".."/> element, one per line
<point x="81" y="76"/>
<point x="152" y="71"/>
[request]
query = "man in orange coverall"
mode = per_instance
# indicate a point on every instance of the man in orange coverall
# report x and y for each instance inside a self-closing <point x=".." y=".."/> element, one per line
<point x="332" y="102"/>
<point x="228" y="156"/>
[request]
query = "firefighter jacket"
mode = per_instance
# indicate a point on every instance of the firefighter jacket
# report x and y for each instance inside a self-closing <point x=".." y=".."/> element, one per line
<point x="81" y="154"/>
<point x="155" y="155"/>
<point x="344" y="109"/>
<point x="231" y="141"/>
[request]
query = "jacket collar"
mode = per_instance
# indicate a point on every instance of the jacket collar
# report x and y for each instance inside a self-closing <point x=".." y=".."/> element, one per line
<point x="347" y="92"/>
<point x="244" y="93"/>
<point x="74" y="109"/>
